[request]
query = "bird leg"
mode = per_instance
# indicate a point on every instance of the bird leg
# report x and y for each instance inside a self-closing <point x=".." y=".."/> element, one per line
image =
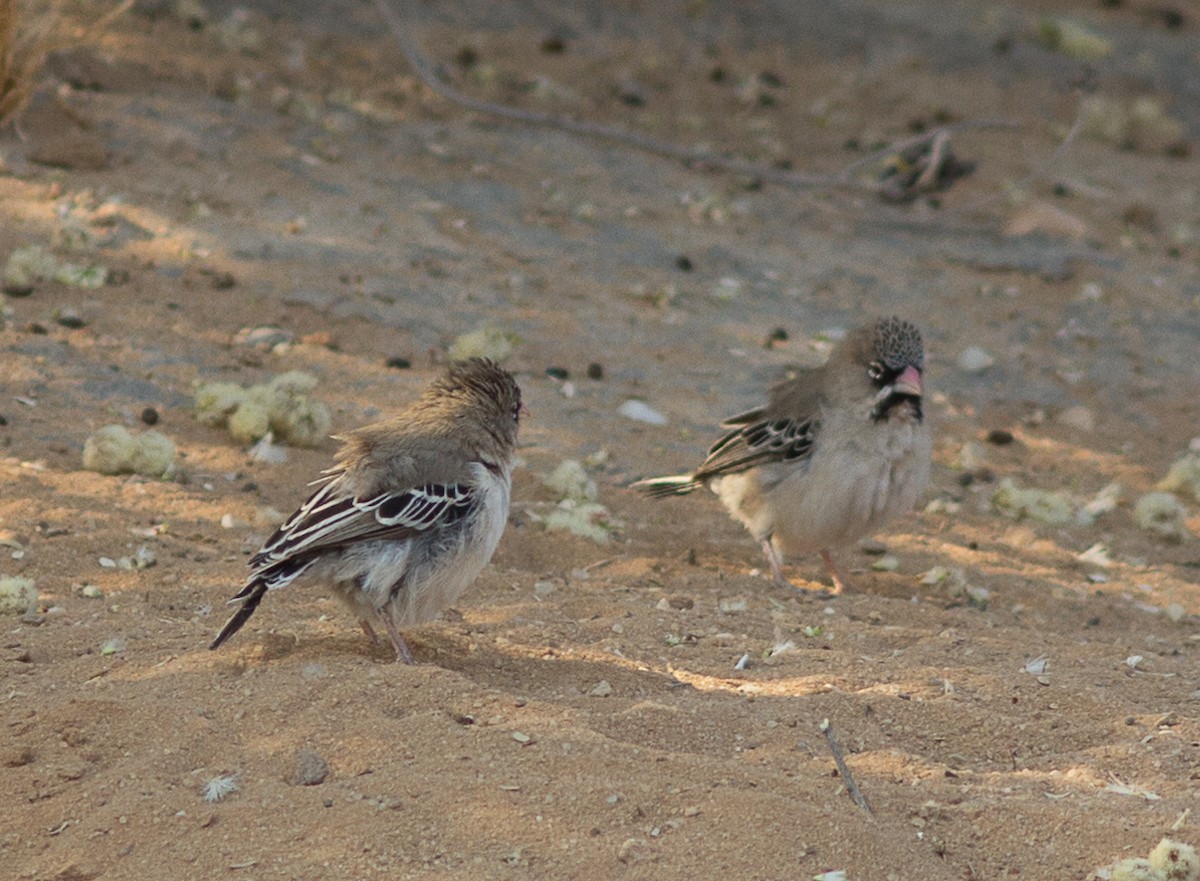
<point x="840" y="583"/>
<point x="775" y="563"/>
<point x="403" y="655"/>
<point x="369" y="630"/>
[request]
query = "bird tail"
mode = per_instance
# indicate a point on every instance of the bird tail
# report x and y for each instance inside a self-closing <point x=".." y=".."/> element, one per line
<point x="250" y="596"/>
<point x="662" y="487"/>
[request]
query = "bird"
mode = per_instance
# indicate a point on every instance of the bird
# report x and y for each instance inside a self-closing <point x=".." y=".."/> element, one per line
<point x="409" y="514"/>
<point x="837" y="451"/>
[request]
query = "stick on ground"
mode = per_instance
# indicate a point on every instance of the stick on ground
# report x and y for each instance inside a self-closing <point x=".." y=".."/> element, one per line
<point x="855" y="792"/>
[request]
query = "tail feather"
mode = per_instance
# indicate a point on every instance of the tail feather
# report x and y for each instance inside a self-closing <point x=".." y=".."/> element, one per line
<point x="249" y="597"/>
<point x="662" y="487"/>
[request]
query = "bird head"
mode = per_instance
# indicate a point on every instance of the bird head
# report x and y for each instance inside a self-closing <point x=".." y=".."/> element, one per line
<point x="885" y="361"/>
<point x="483" y="392"/>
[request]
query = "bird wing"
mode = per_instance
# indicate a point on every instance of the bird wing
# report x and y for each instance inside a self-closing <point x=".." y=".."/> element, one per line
<point x="758" y="439"/>
<point x="333" y="517"/>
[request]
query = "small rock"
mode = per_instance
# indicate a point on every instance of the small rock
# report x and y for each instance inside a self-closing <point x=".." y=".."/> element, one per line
<point x="600" y="689"/>
<point x="263" y="337"/>
<point x="1078" y="417"/>
<point x="1000" y="437"/>
<point x="595" y="371"/>
<point x="150" y="416"/>
<point x="310" y="770"/>
<point x="398" y="363"/>
<point x="69" y="318"/>
<point x="636" y="850"/>
<point x="1042" y="217"/>
<point x="975" y="359"/>
<point x="641" y="412"/>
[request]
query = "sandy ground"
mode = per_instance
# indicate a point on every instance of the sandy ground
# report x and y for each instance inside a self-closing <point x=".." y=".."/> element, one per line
<point x="582" y="714"/>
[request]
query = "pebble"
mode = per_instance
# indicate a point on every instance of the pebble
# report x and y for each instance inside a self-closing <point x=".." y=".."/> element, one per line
<point x="975" y="359"/>
<point x="311" y="769"/>
<point x="398" y="363"/>
<point x="636" y="850"/>
<point x="150" y="416"/>
<point x="69" y="318"/>
<point x="263" y="337"/>
<point x="1078" y="417"/>
<point x="1000" y="437"/>
<point x="641" y="412"/>
<point x="601" y="689"/>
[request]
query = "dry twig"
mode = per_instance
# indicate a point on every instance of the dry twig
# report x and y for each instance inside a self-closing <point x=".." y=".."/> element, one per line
<point x="839" y="759"/>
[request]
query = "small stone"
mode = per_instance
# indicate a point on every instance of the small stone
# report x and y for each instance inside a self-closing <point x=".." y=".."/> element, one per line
<point x="636" y="850"/>
<point x="641" y="412"/>
<point x="558" y="373"/>
<point x="150" y="416"/>
<point x="310" y="770"/>
<point x="263" y="337"/>
<point x="70" y="319"/>
<point x="601" y="689"/>
<point x="1078" y="417"/>
<point x="1000" y="437"/>
<point x="595" y="371"/>
<point x="975" y="359"/>
<point x="1042" y="217"/>
<point x="398" y="363"/>
<point x="522" y="738"/>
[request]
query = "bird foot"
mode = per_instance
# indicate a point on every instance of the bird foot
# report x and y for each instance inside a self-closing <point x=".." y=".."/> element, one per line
<point x="840" y="582"/>
<point x="403" y="655"/>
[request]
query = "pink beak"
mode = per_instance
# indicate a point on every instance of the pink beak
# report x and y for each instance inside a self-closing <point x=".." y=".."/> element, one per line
<point x="908" y="382"/>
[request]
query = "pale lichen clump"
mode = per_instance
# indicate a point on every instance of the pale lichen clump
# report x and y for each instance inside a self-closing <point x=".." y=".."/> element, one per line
<point x="1183" y="478"/>
<point x="282" y="407"/>
<point x="1163" y="515"/>
<point x="577" y="510"/>
<point x="1175" y="860"/>
<point x="1035" y="504"/>
<point x="1169" y="861"/>
<point x="17" y="596"/>
<point x="488" y="341"/>
<point x="115" y="450"/>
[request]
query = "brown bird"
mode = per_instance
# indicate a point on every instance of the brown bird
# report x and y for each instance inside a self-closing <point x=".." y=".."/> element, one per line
<point x="409" y="514"/>
<point x="837" y="451"/>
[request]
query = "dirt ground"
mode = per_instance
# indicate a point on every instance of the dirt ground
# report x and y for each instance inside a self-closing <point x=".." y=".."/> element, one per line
<point x="583" y="712"/>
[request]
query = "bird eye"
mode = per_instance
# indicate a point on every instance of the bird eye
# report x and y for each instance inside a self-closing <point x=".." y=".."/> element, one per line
<point x="516" y="412"/>
<point x="875" y="371"/>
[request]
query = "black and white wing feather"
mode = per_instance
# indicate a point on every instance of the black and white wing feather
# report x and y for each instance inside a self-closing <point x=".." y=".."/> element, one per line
<point x="332" y="519"/>
<point x="756" y="439"/>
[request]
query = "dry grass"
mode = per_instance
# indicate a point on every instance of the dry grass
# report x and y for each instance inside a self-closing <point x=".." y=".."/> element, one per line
<point x="29" y="31"/>
<point x="27" y="34"/>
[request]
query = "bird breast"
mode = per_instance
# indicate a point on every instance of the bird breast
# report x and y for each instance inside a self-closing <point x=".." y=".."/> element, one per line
<point x="853" y="485"/>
